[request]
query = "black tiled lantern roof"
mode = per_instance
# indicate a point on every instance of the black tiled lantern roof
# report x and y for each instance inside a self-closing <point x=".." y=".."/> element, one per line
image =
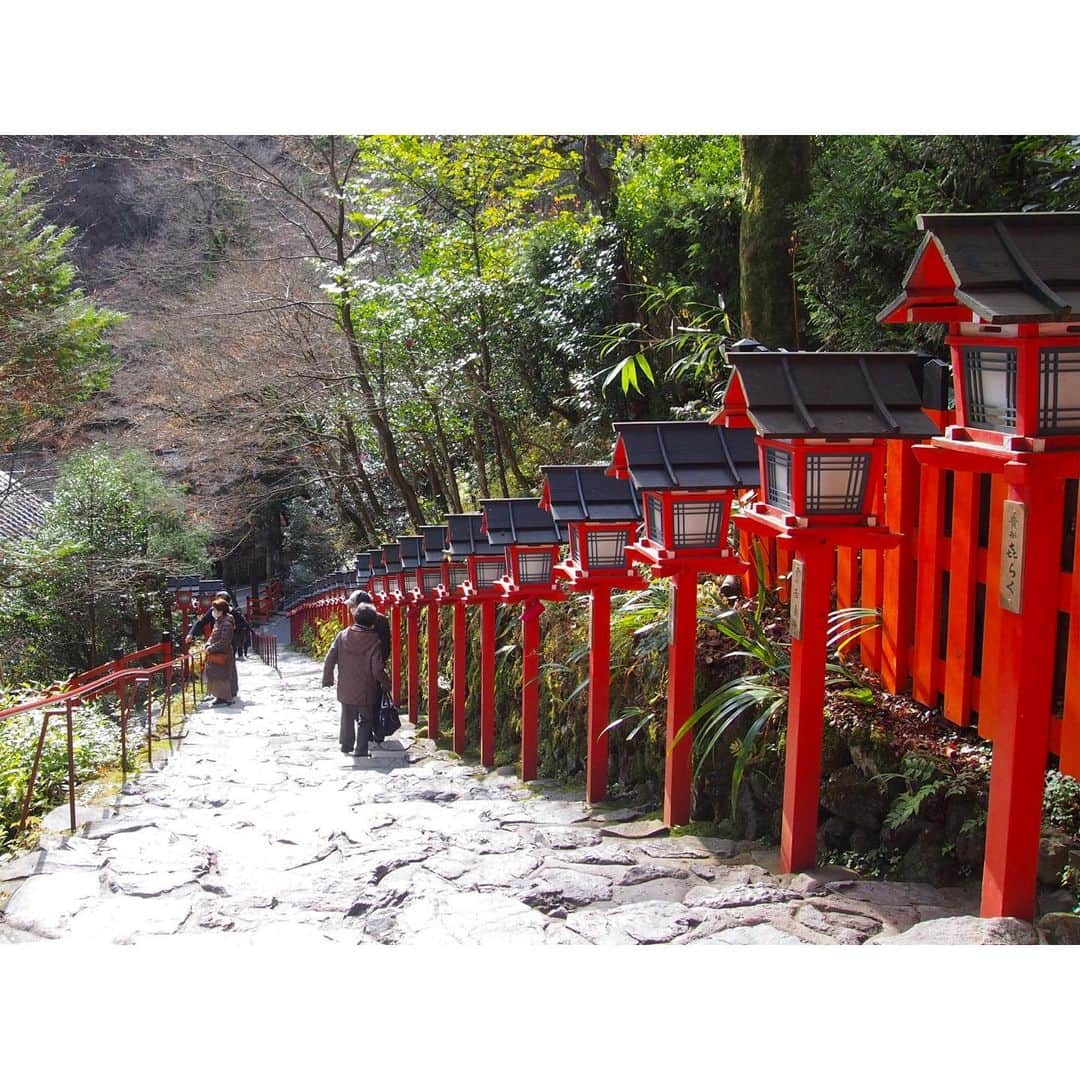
<point x="363" y="562"/>
<point x="434" y="543"/>
<point x="685" y="455"/>
<point x="378" y="567"/>
<point x="520" y="521"/>
<point x="832" y="395"/>
<point x="411" y="551"/>
<point x="1005" y="268"/>
<point x="465" y="536"/>
<point x="587" y="493"/>
<point x="392" y="558"/>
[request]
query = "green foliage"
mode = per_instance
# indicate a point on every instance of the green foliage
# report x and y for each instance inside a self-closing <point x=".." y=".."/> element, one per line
<point x="52" y="348"/>
<point x="751" y="708"/>
<point x="857" y="232"/>
<point x="683" y="339"/>
<point x="678" y="207"/>
<point x="316" y="640"/>
<point x="94" y="577"/>
<point x="1061" y="802"/>
<point x="96" y="743"/>
<point x="924" y="779"/>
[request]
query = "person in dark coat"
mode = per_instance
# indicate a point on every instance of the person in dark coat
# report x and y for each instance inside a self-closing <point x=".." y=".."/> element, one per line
<point x="220" y="670"/>
<point x="205" y="623"/>
<point x="357" y="655"/>
<point x="382" y="623"/>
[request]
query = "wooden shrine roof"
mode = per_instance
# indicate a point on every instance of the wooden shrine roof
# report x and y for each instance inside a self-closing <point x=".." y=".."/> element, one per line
<point x="411" y="551"/>
<point x="465" y="536"/>
<point x="520" y="521"/>
<point x="392" y="557"/>
<point x="1004" y="268"/>
<point x="832" y="395"/>
<point x="685" y="455"/>
<point x="434" y="543"/>
<point x="587" y="493"/>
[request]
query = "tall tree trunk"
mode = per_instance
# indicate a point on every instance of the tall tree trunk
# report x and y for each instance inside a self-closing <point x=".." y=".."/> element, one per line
<point x="775" y="176"/>
<point x="354" y="450"/>
<point x="452" y="490"/>
<point x="481" y="463"/>
<point x="379" y="421"/>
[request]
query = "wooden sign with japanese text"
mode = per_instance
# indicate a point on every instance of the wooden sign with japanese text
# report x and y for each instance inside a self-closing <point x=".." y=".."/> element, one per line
<point x="796" y="607"/>
<point x="1011" y="594"/>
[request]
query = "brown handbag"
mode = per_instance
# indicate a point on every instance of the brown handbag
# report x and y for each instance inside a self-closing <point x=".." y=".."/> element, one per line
<point x="217" y="658"/>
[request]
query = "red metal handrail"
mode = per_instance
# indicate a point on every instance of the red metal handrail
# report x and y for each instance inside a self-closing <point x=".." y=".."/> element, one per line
<point x="118" y="680"/>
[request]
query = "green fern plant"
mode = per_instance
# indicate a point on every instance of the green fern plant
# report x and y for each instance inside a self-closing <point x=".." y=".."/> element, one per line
<point x="761" y="698"/>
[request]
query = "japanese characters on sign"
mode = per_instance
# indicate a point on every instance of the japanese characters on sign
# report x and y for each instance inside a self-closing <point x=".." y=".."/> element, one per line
<point x="1011" y="591"/>
<point x="796" y="608"/>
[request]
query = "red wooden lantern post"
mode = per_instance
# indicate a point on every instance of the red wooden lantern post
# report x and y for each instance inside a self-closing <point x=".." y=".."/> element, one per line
<point x="411" y="556"/>
<point x="429" y="585"/>
<point x="687" y="473"/>
<point x="486" y="564"/>
<point x="394" y="595"/>
<point x="532" y="542"/>
<point x="821" y="421"/>
<point x="602" y="515"/>
<point x="454" y="575"/>
<point x="1007" y="287"/>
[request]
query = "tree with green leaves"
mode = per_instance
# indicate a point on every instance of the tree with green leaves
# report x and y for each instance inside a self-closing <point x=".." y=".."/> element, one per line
<point x="857" y="231"/>
<point x="94" y="576"/>
<point x="53" y="351"/>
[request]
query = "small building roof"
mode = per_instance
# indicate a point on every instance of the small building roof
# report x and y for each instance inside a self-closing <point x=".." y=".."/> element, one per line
<point x="831" y="395"/>
<point x="22" y="513"/>
<point x="411" y="551"/>
<point x="587" y="493"/>
<point x="392" y="557"/>
<point x="1004" y="268"/>
<point x="378" y="567"/>
<point x="434" y="544"/>
<point x="363" y="562"/>
<point x="520" y="521"/>
<point x="465" y="536"/>
<point x="685" y="455"/>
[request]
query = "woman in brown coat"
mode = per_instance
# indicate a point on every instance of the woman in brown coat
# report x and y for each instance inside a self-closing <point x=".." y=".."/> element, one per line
<point x="357" y="653"/>
<point x="220" y="671"/>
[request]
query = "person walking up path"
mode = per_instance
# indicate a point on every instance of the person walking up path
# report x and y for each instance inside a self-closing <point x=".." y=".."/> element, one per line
<point x="259" y="828"/>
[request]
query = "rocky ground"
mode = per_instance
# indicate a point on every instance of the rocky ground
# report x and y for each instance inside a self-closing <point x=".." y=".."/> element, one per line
<point x="257" y="826"/>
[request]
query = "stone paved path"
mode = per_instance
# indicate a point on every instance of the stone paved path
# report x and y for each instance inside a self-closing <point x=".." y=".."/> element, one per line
<point x="259" y="827"/>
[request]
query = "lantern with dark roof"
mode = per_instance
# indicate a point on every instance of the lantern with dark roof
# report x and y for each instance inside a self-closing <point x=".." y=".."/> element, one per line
<point x="363" y="569"/>
<point x="395" y="577"/>
<point x="820" y="419"/>
<point x="429" y="575"/>
<point x="1008" y="286"/>
<point x="378" y="576"/>
<point x="602" y="514"/>
<point x="531" y="541"/>
<point x="412" y="555"/>
<point x="687" y="473"/>
<point x="485" y="562"/>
